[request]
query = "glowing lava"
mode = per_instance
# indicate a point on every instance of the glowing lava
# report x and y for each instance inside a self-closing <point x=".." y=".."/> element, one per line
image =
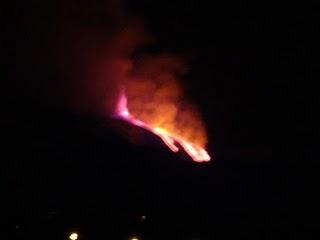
<point x="198" y="154"/>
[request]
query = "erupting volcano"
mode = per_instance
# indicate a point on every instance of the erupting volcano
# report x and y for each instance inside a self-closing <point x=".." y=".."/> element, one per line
<point x="169" y="136"/>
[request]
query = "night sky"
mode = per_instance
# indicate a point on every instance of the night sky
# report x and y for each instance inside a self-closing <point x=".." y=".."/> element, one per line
<point x="249" y="68"/>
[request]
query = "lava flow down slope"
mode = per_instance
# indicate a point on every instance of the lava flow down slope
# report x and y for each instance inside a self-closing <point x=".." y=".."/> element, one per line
<point x="152" y="99"/>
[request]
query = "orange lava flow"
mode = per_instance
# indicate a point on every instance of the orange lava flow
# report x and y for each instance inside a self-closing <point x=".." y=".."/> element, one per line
<point x="197" y="153"/>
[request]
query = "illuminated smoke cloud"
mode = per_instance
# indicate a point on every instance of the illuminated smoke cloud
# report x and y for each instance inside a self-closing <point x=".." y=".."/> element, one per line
<point x="156" y="97"/>
<point x="152" y="98"/>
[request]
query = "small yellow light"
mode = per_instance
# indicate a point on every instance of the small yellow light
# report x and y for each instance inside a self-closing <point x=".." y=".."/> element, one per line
<point x="73" y="236"/>
<point x="134" y="238"/>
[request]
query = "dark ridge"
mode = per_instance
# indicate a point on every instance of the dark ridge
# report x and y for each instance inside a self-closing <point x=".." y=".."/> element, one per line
<point x="66" y="171"/>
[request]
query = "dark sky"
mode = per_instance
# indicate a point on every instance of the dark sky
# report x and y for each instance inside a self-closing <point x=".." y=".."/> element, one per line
<point x="249" y="71"/>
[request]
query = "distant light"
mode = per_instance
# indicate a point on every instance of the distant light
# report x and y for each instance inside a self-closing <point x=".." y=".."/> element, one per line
<point x="134" y="238"/>
<point x="73" y="236"/>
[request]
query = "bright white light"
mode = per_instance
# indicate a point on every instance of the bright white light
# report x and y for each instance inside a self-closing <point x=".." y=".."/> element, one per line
<point x="73" y="236"/>
<point x="134" y="238"/>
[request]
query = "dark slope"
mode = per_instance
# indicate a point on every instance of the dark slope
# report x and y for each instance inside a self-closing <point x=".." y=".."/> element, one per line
<point x="65" y="172"/>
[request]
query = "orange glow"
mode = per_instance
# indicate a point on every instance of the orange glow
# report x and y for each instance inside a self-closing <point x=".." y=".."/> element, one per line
<point x="164" y="123"/>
